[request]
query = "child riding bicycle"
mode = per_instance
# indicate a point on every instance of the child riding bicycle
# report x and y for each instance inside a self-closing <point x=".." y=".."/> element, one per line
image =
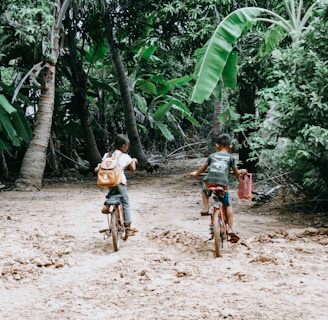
<point x="120" y="147"/>
<point x="218" y="166"/>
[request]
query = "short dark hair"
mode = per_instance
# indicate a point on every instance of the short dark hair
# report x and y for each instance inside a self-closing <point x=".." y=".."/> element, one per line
<point x="224" y="140"/>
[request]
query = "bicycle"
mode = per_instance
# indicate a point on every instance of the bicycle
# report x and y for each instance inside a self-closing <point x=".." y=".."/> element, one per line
<point x="219" y="225"/>
<point x="115" y="219"/>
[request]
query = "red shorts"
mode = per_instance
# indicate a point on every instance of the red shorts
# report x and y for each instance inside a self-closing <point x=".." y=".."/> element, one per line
<point x="209" y="185"/>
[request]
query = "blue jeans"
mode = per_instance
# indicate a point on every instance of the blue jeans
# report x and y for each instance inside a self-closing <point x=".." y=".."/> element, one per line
<point x="121" y="188"/>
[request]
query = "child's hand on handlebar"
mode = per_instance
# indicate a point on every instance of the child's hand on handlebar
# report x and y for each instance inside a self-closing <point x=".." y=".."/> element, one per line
<point x="96" y="169"/>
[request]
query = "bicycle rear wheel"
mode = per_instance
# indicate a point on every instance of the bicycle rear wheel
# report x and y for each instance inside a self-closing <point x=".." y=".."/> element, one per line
<point x="115" y="230"/>
<point x="122" y="230"/>
<point x="124" y="234"/>
<point x="217" y="235"/>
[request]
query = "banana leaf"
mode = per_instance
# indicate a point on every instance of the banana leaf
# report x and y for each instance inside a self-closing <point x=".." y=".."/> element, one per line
<point x="141" y="102"/>
<point x="165" y="130"/>
<point x="162" y="110"/>
<point x="147" y="86"/>
<point x="4" y="103"/>
<point x="22" y="126"/>
<point x="274" y="35"/>
<point x="229" y="75"/>
<point x="185" y="112"/>
<point x="147" y="52"/>
<point x="214" y="58"/>
<point x="14" y="127"/>
<point x="8" y="130"/>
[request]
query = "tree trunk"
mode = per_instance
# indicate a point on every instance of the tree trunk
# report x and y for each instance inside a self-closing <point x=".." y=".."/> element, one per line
<point x="34" y="162"/>
<point x="246" y="104"/>
<point x="217" y="124"/>
<point x="92" y="152"/>
<point x="136" y="149"/>
<point x="78" y="80"/>
<point x="3" y="166"/>
<point x="54" y="164"/>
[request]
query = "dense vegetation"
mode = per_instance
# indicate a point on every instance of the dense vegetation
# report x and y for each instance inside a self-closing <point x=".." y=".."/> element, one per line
<point x="75" y="73"/>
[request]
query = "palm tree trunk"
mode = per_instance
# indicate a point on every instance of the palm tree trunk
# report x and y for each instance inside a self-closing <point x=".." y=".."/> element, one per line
<point x="34" y="162"/>
<point x="130" y="120"/>
<point x="78" y="80"/>
<point x="54" y="163"/>
<point x="93" y="154"/>
<point x="35" y="158"/>
<point x="217" y="124"/>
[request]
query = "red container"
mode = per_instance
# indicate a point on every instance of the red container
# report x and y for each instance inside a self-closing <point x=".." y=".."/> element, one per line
<point x="245" y="186"/>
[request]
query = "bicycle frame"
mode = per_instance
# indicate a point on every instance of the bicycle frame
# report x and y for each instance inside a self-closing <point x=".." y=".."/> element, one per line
<point x="218" y="220"/>
<point x="115" y="221"/>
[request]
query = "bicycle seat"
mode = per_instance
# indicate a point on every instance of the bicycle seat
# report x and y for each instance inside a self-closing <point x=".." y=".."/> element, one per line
<point x="218" y="191"/>
<point x="112" y="192"/>
<point x="216" y="188"/>
<point x="113" y="200"/>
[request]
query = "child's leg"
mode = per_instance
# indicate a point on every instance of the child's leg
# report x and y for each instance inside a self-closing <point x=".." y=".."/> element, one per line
<point x="229" y="217"/>
<point x="205" y="199"/>
<point x="125" y="204"/>
<point x="227" y="209"/>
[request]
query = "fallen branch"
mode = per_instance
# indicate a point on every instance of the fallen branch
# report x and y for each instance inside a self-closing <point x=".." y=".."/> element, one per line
<point x="186" y="146"/>
<point x="272" y="178"/>
<point x="264" y="197"/>
<point x="68" y="158"/>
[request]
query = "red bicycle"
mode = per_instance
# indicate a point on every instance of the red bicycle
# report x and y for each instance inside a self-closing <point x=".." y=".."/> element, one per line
<point x="219" y="225"/>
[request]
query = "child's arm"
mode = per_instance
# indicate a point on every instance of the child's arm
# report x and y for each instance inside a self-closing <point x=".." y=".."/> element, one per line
<point x="200" y="171"/>
<point x="96" y="169"/>
<point x="239" y="172"/>
<point x="133" y="165"/>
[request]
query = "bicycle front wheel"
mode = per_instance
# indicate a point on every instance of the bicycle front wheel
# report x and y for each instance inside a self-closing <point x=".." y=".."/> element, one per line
<point x="115" y="230"/>
<point x="216" y="232"/>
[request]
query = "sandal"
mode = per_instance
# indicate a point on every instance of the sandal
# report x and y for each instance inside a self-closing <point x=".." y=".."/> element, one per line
<point x="204" y="213"/>
<point x="105" y="209"/>
<point x="131" y="232"/>
<point x="233" y="237"/>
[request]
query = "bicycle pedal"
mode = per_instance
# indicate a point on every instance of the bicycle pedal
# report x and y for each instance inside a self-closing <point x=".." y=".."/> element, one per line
<point x="103" y="230"/>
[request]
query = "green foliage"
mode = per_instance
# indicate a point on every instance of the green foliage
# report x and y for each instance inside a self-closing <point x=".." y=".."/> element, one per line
<point x="14" y="128"/>
<point x="214" y="57"/>
<point x="274" y="35"/>
<point x="294" y="134"/>
<point x="24" y="27"/>
<point x="184" y="25"/>
<point x="296" y="103"/>
<point x="31" y="20"/>
<point x="163" y="111"/>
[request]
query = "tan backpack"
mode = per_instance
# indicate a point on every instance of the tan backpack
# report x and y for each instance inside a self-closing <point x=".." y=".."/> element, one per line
<point x="110" y="172"/>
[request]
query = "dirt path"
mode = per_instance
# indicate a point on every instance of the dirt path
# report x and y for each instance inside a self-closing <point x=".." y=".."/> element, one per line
<point x="55" y="264"/>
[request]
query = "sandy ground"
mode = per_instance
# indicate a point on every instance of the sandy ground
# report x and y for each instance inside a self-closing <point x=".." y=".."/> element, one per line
<point x="56" y="265"/>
